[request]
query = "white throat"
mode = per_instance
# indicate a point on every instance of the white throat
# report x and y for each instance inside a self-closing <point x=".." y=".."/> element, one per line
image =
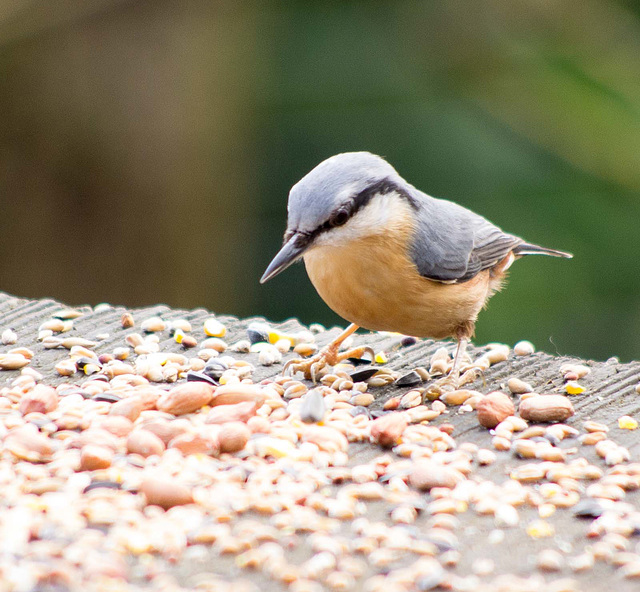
<point x="383" y="213"/>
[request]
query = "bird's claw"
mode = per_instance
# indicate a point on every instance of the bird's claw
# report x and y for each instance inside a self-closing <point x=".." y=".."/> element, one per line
<point x="452" y="382"/>
<point x="309" y="367"/>
<point x="469" y="375"/>
<point x="315" y="367"/>
<point x="357" y="352"/>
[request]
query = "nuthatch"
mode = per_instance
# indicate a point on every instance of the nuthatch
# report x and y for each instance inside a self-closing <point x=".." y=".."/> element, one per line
<point x="387" y="257"/>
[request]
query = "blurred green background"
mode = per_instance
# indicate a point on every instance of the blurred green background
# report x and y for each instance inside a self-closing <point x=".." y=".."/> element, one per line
<point x="147" y="147"/>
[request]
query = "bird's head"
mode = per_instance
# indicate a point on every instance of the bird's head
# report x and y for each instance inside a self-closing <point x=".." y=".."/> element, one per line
<point x="346" y="197"/>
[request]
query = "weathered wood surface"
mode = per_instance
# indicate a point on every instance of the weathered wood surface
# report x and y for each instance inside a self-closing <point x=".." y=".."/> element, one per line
<point x="610" y="393"/>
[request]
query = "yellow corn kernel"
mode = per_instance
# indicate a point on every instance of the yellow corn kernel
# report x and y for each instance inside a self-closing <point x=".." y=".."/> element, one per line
<point x="549" y="490"/>
<point x="137" y="543"/>
<point x="214" y="328"/>
<point x="545" y="510"/>
<point x="573" y="388"/>
<point x="178" y="335"/>
<point x="539" y="529"/>
<point x="381" y="358"/>
<point x="627" y="423"/>
<point x="275" y="447"/>
<point x="275" y="336"/>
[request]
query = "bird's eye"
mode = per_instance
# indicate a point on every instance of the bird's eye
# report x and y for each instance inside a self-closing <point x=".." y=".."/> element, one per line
<point x="340" y="216"/>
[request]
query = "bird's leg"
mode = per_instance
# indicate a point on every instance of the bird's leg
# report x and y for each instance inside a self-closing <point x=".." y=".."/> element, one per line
<point x="454" y="373"/>
<point x="327" y="356"/>
<point x="455" y="379"/>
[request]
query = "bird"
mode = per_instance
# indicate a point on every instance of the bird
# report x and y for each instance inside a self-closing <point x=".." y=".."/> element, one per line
<point x="387" y="257"/>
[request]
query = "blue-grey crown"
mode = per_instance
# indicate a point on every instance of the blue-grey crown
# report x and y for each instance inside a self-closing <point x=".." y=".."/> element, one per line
<point x="328" y="185"/>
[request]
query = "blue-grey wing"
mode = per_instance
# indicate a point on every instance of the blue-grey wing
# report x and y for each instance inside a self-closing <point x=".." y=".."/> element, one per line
<point x="452" y="244"/>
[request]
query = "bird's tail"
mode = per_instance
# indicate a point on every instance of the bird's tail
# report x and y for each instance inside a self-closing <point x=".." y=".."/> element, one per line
<point x="529" y="249"/>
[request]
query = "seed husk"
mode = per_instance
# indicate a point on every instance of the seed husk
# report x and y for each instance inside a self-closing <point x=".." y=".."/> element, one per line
<point x="233" y="436"/>
<point x="550" y="560"/>
<point x="458" y="397"/>
<point x="165" y="493"/>
<point x="594" y="426"/>
<point x="269" y="355"/>
<point x="153" y="325"/>
<point x="518" y="387"/>
<point x="9" y="337"/>
<point x="498" y="353"/>
<point x="23" y="351"/>
<point x="70" y="342"/>
<point x="579" y="370"/>
<point x="66" y="367"/>
<point x="582" y="562"/>
<point x="144" y="443"/>
<point x="546" y="408"/>
<point x="313" y="407"/>
<point x="56" y="326"/>
<point x="40" y="399"/>
<point x="186" y="398"/>
<point x="525" y="448"/>
<point x="238" y="412"/>
<point x="523" y="348"/>
<point x="188" y="341"/>
<point x="363" y="374"/>
<point x="411" y="399"/>
<point x="195" y="376"/>
<point x="362" y="399"/>
<point x="529" y="473"/>
<point x="387" y="430"/>
<point x="257" y="332"/>
<point x="95" y="457"/>
<point x="28" y="444"/>
<point x="307" y="349"/>
<point x="236" y="393"/>
<point x="501" y="443"/>
<point x="67" y="314"/>
<point x="127" y="321"/>
<point x="494" y="408"/>
<point x="410" y="379"/>
<point x="166" y="430"/>
<point x="326" y="438"/>
<point x="440" y="362"/>
<point x="506" y="515"/>
<point x="422" y="413"/>
<point x="12" y="361"/>
<point x="427" y="474"/>
<point x="485" y="456"/>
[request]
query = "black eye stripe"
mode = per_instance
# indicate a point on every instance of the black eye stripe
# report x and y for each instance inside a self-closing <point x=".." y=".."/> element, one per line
<point x="302" y="238"/>
<point x="362" y="199"/>
<point x="358" y="202"/>
<point x="382" y="187"/>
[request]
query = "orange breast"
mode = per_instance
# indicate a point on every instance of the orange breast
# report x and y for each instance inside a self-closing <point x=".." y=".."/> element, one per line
<point x="373" y="283"/>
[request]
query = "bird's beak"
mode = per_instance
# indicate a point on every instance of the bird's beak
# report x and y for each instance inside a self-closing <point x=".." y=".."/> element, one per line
<point x="292" y="250"/>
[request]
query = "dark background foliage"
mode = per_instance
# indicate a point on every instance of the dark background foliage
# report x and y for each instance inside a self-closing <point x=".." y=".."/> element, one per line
<point x="147" y="147"/>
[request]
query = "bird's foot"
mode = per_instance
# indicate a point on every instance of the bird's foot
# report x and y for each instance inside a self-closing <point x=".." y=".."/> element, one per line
<point x="315" y="367"/>
<point x="452" y="381"/>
